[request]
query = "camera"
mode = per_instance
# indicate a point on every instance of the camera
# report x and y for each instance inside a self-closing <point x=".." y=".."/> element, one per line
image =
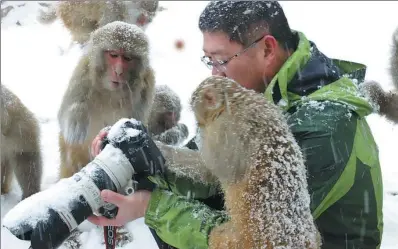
<point x="47" y="218"/>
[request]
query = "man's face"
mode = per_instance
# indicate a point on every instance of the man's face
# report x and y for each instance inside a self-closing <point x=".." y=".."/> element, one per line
<point x="247" y="68"/>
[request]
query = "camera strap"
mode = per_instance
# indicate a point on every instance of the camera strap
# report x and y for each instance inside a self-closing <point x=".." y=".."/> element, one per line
<point x="110" y="233"/>
<point x="110" y="212"/>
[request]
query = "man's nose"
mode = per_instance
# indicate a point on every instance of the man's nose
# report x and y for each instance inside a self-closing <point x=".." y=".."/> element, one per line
<point x="216" y="72"/>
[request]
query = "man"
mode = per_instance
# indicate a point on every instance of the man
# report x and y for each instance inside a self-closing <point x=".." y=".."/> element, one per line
<point x="252" y="43"/>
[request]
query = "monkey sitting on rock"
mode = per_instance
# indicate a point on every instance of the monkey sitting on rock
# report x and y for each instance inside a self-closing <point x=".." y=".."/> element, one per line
<point x="246" y="146"/>
<point x="164" y="117"/>
<point x="20" y="145"/>
<point x="387" y="102"/>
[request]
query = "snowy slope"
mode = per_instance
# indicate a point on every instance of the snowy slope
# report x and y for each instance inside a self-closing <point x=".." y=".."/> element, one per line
<point x="36" y="66"/>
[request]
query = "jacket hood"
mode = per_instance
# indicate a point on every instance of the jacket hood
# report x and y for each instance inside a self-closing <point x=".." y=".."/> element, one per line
<point x="310" y="75"/>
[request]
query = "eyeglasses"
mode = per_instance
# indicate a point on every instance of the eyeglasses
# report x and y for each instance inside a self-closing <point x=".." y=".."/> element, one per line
<point x="220" y="65"/>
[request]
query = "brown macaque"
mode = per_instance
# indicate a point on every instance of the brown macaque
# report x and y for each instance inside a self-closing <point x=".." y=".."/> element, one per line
<point x="246" y="144"/>
<point x="20" y="145"/>
<point x="386" y="102"/>
<point x="165" y="114"/>
<point x="394" y="59"/>
<point x="83" y="17"/>
<point x="112" y="80"/>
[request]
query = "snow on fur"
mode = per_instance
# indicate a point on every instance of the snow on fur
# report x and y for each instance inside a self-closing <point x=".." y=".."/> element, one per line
<point x="47" y="64"/>
<point x="261" y="169"/>
<point x="125" y="32"/>
<point x="168" y="97"/>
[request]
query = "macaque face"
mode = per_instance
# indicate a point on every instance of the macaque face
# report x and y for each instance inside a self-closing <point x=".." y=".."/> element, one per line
<point x="121" y="69"/>
<point x="167" y="119"/>
<point x="147" y="9"/>
<point x="142" y="19"/>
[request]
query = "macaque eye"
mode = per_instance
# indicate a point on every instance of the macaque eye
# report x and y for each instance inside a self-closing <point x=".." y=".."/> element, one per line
<point x="130" y="57"/>
<point x="113" y="54"/>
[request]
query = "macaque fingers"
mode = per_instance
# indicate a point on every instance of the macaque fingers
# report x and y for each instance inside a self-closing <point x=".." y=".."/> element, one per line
<point x="173" y="136"/>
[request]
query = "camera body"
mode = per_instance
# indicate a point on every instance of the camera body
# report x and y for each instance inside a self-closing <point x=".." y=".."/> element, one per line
<point x="47" y="218"/>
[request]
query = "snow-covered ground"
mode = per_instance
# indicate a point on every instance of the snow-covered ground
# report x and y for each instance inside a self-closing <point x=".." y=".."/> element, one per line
<point x="36" y="66"/>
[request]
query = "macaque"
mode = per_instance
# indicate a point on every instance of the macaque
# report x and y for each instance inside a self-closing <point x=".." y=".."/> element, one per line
<point x="386" y="102"/>
<point x="20" y="145"/>
<point x="246" y="145"/>
<point x="83" y="17"/>
<point x="165" y="115"/>
<point x="394" y="59"/>
<point x="112" y="80"/>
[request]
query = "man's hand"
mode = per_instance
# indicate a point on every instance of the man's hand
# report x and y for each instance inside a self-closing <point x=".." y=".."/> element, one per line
<point x="130" y="207"/>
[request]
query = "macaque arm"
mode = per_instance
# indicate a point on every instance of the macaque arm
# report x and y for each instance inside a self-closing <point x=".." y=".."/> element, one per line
<point x="28" y="170"/>
<point x="148" y="93"/>
<point x="390" y="109"/>
<point x="73" y="115"/>
<point x="185" y="173"/>
<point x="181" y="222"/>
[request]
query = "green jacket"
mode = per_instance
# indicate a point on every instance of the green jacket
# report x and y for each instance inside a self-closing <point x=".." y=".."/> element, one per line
<point x="327" y="118"/>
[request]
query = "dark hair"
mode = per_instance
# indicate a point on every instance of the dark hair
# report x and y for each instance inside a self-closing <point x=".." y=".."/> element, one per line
<point x="242" y="20"/>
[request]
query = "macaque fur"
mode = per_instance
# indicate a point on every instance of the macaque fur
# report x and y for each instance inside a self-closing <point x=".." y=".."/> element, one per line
<point x="247" y="145"/>
<point x="20" y="145"/>
<point x="100" y="93"/>
<point x="387" y="102"/>
<point x="83" y="17"/>
<point x="165" y="115"/>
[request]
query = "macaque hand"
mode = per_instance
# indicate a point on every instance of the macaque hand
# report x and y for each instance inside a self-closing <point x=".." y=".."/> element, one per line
<point x="184" y="130"/>
<point x="76" y="125"/>
<point x="96" y="145"/>
<point x="174" y="135"/>
<point x="131" y="137"/>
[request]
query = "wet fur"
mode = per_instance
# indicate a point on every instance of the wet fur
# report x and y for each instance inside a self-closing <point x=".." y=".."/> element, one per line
<point x="247" y="145"/>
<point x="386" y="103"/>
<point x="166" y="100"/>
<point x="83" y="17"/>
<point x="88" y="106"/>
<point x="20" y="145"/>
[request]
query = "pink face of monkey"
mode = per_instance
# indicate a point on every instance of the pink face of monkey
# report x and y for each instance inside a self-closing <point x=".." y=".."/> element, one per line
<point x="121" y="68"/>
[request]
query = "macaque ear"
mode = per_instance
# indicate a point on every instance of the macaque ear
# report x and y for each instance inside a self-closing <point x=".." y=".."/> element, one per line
<point x="210" y="98"/>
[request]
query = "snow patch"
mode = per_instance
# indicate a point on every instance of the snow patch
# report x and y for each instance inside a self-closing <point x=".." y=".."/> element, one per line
<point x="42" y="52"/>
<point x="120" y="132"/>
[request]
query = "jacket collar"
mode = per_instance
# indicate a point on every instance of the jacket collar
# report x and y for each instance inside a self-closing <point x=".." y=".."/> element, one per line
<point x="306" y="75"/>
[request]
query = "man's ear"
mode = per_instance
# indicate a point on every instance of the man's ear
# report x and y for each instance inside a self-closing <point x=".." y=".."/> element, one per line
<point x="270" y="45"/>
